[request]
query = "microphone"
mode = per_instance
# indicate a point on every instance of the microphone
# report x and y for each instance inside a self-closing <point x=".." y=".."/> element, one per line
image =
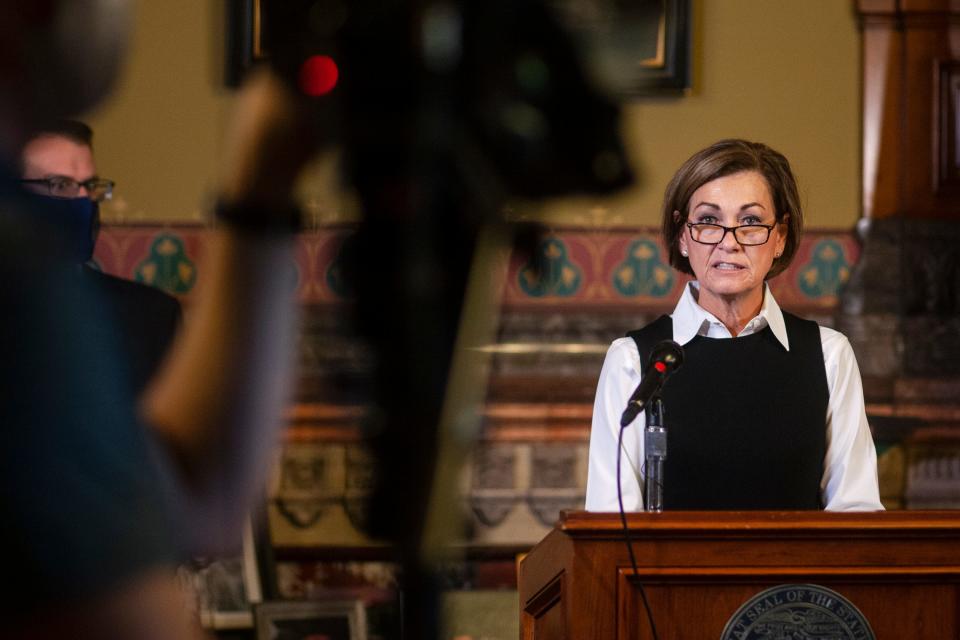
<point x="665" y="358"/>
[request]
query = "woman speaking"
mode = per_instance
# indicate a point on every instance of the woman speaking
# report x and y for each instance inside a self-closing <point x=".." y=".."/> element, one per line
<point x="767" y="411"/>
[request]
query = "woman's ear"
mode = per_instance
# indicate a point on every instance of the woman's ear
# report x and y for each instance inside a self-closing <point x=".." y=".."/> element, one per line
<point x="783" y="229"/>
<point x="681" y="241"/>
<point x="682" y="245"/>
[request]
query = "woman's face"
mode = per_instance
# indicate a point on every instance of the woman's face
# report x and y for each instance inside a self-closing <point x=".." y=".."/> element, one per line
<point x="728" y="271"/>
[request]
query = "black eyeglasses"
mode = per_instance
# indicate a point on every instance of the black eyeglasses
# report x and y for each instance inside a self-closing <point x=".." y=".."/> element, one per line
<point x="97" y="189"/>
<point x="747" y="235"/>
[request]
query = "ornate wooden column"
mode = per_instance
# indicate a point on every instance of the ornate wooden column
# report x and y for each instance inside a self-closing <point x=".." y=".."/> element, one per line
<point x="911" y="76"/>
<point x="902" y="306"/>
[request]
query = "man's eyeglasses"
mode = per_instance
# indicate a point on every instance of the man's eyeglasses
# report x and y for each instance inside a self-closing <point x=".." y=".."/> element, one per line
<point x="97" y="189"/>
<point x="746" y="234"/>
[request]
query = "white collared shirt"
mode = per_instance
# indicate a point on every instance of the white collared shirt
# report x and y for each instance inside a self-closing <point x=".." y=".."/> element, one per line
<point x="849" y="481"/>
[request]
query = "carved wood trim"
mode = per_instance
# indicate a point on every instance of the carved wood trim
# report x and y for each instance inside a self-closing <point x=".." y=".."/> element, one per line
<point x="542" y="603"/>
<point x="697" y="524"/>
<point x="805" y="573"/>
<point x="946" y="145"/>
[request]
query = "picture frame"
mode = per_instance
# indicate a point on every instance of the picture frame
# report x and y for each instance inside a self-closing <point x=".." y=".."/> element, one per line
<point x="637" y="48"/>
<point x="244" y="45"/>
<point x="300" y="620"/>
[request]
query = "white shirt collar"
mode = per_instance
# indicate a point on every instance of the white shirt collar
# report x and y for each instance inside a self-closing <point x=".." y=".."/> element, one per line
<point x="691" y="320"/>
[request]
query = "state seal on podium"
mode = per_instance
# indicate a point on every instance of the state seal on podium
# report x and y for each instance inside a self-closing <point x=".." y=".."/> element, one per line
<point x="798" y="611"/>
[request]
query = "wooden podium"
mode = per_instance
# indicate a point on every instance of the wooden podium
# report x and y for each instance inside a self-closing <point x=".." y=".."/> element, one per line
<point x="901" y="569"/>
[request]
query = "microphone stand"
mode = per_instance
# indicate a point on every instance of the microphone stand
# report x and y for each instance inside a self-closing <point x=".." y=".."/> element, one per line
<point x="655" y="452"/>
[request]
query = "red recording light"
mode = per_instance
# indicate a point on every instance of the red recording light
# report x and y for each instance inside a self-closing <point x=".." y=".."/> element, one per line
<point x="659" y="366"/>
<point x="318" y="75"/>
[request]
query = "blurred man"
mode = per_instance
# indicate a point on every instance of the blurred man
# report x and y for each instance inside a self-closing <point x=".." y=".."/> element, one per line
<point x="101" y="493"/>
<point x="58" y="162"/>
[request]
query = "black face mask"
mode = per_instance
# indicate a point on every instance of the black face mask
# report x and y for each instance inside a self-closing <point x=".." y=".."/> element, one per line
<point x="74" y="221"/>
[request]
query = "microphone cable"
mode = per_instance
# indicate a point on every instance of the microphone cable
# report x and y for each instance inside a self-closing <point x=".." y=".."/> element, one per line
<point x="629" y="541"/>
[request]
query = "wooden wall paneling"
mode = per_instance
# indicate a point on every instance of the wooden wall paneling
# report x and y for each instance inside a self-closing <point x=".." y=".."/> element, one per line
<point x="875" y="7"/>
<point x="927" y="6"/>
<point x="905" y="110"/>
<point x="925" y="42"/>
<point x="946" y="99"/>
<point x="882" y="77"/>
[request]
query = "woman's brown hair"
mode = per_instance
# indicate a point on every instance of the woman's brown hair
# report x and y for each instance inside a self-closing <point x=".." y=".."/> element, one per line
<point x="725" y="158"/>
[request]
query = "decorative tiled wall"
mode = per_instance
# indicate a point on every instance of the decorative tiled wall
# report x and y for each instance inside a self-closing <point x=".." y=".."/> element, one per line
<point x="170" y="258"/>
<point x="583" y="267"/>
<point x="629" y="268"/>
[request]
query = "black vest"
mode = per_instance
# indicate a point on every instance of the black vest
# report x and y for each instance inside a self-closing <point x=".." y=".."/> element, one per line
<point x="745" y="418"/>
